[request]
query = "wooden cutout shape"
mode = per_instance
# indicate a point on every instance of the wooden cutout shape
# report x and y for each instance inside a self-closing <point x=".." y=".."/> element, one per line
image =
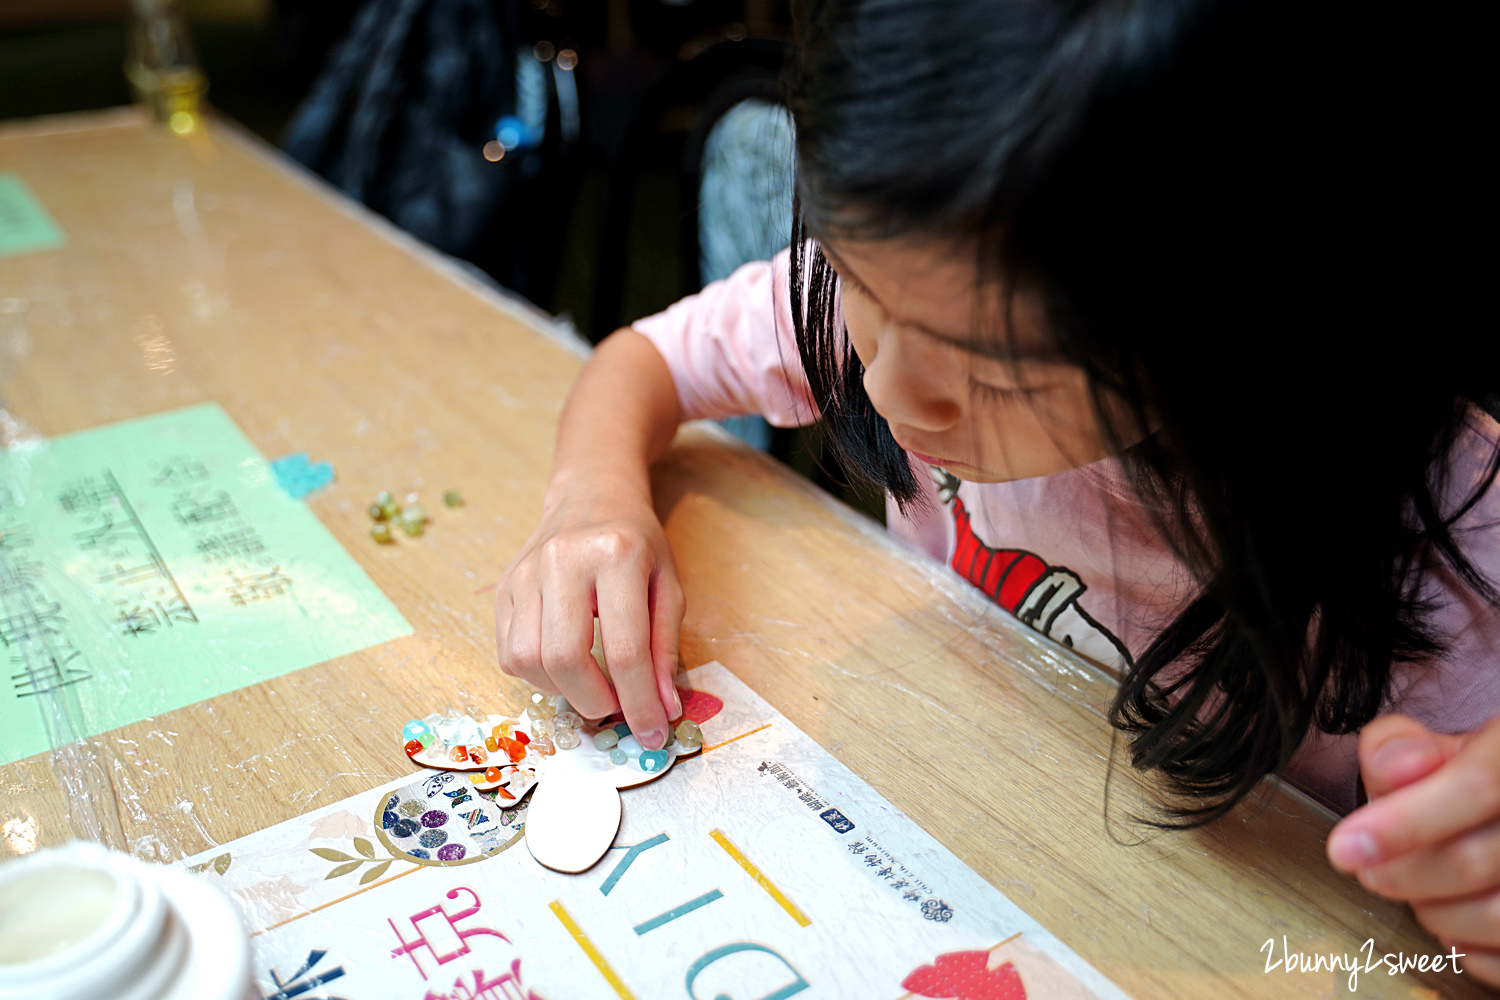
<point x="573" y="818"/>
<point x="578" y="803"/>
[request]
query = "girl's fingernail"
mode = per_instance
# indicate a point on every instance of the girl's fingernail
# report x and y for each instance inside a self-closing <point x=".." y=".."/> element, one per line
<point x="676" y="703"/>
<point x="1352" y="851"/>
<point x="1404" y="755"/>
<point x="651" y="739"/>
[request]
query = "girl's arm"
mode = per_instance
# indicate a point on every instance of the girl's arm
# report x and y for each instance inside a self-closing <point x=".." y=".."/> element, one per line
<point x="600" y="550"/>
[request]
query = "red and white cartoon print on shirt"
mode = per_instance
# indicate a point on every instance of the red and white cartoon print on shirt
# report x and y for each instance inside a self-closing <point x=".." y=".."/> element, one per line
<point x="1043" y="596"/>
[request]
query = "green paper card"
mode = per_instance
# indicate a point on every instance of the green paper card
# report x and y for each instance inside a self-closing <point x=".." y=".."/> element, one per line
<point x="154" y="563"/>
<point x="24" y="224"/>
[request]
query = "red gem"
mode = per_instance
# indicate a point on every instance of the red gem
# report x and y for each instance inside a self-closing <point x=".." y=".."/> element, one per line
<point x="413" y="748"/>
<point x="514" y="749"/>
<point x="522" y="738"/>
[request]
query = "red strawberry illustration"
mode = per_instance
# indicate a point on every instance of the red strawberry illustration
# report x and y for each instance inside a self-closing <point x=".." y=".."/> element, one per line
<point x="962" y="975"/>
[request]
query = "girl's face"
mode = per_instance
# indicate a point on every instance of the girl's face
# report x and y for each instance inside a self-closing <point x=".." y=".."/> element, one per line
<point x="919" y="318"/>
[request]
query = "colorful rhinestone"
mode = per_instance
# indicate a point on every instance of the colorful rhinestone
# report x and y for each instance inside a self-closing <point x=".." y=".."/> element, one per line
<point x="414" y="729"/>
<point x="689" y="734"/>
<point x="618" y="756"/>
<point x="653" y="761"/>
<point x="427" y="740"/>
<point x="567" y="739"/>
<point x="413" y="747"/>
<point x="605" y="739"/>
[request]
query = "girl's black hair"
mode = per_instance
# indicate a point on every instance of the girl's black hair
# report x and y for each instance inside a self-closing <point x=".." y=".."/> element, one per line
<point x="1244" y="220"/>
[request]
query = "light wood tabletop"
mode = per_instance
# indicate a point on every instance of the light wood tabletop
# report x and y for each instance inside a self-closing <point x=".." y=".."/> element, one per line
<point x="208" y="269"/>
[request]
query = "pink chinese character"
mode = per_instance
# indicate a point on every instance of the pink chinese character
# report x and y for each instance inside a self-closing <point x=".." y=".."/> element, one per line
<point x="408" y="948"/>
<point x="506" y="986"/>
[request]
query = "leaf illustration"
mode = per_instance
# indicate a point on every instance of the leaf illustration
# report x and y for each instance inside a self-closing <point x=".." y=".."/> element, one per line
<point x="221" y="864"/>
<point x="374" y="873"/>
<point x="364" y="847"/>
<point x="343" y="870"/>
<point x="329" y="854"/>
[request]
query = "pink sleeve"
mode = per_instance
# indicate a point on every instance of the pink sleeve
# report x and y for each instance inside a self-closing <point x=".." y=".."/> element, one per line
<point x="731" y="349"/>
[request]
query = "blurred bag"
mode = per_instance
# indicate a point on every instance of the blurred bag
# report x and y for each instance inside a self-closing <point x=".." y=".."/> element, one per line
<point x="402" y="112"/>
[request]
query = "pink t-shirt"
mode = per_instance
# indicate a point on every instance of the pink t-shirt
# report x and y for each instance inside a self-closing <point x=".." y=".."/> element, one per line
<point x="1074" y="555"/>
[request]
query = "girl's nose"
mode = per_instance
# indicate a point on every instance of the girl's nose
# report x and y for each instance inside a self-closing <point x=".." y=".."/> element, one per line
<point x="911" y="386"/>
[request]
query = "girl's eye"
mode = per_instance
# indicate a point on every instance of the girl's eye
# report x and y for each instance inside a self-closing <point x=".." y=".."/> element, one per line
<point x="988" y="391"/>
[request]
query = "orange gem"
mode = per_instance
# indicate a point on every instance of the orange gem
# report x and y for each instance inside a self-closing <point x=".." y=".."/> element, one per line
<point x="513" y="749"/>
<point x="491" y="775"/>
<point x="458" y="755"/>
<point x="522" y="738"/>
<point x="505" y="793"/>
<point x="490" y="744"/>
<point x="478" y="754"/>
<point x="413" y="748"/>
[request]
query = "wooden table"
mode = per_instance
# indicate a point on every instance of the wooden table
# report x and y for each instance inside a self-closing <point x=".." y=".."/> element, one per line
<point x="208" y="269"/>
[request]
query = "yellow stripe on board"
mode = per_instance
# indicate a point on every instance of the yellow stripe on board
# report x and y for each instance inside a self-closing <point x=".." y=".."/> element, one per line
<point x="760" y="876"/>
<point x="595" y="955"/>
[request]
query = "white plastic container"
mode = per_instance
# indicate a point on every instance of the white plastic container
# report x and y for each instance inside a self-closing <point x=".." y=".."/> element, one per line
<point x="81" y="922"/>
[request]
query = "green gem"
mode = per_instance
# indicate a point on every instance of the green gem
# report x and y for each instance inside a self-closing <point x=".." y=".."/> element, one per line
<point x="381" y="532"/>
<point x="414" y="512"/>
<point x="384" y="497"/>
<point x="377" y="512"/>
<point x="389" y="509"/>
<point x="452" y="499"/>
<point x="412" y="528"/>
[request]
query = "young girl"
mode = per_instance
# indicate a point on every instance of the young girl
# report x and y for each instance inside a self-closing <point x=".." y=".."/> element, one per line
<point x="1143" y="314"/>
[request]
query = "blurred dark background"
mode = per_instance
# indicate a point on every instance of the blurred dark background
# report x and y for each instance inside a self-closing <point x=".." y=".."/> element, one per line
<point x="587" y="206"/>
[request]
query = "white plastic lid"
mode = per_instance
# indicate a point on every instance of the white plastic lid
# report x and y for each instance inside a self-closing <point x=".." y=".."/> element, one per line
<point x="80" y="922"/>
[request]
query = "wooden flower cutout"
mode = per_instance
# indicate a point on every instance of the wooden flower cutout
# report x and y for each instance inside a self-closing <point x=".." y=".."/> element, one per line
<point x="576" y="767"/>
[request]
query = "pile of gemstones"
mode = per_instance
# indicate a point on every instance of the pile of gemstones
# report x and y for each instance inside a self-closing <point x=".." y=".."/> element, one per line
<point x="412" y="518"/>
<point x="509" y="747"/>
<point x="622" y="746"/>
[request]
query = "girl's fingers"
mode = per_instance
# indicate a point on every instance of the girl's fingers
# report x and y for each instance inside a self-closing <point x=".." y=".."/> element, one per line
<point x="1475" y="920"/>
<point x="667" y="607"/>
<point x="1461" y="867"/>
<point x="567" y="634"/>
<point x="521" y="654"/>
<point x="625" y="629"/>
<point x="1482" y="964"/>
<point x="1462" y="794"/>
<point x="1395" y="751"/>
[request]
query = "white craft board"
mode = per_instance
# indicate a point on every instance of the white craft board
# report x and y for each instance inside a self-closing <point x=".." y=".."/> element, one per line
<point x="867" y="899"/>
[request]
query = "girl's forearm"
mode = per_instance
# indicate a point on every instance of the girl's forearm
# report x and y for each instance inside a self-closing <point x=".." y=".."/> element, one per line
<point x="618" y="419"/>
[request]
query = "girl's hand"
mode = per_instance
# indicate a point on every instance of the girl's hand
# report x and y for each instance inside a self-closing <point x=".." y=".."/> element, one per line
<point x="1430" y="834"/>
<point x="596" y="554"/>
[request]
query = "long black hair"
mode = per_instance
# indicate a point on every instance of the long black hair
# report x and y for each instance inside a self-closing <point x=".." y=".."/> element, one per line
<point x="1243" y="219"/>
